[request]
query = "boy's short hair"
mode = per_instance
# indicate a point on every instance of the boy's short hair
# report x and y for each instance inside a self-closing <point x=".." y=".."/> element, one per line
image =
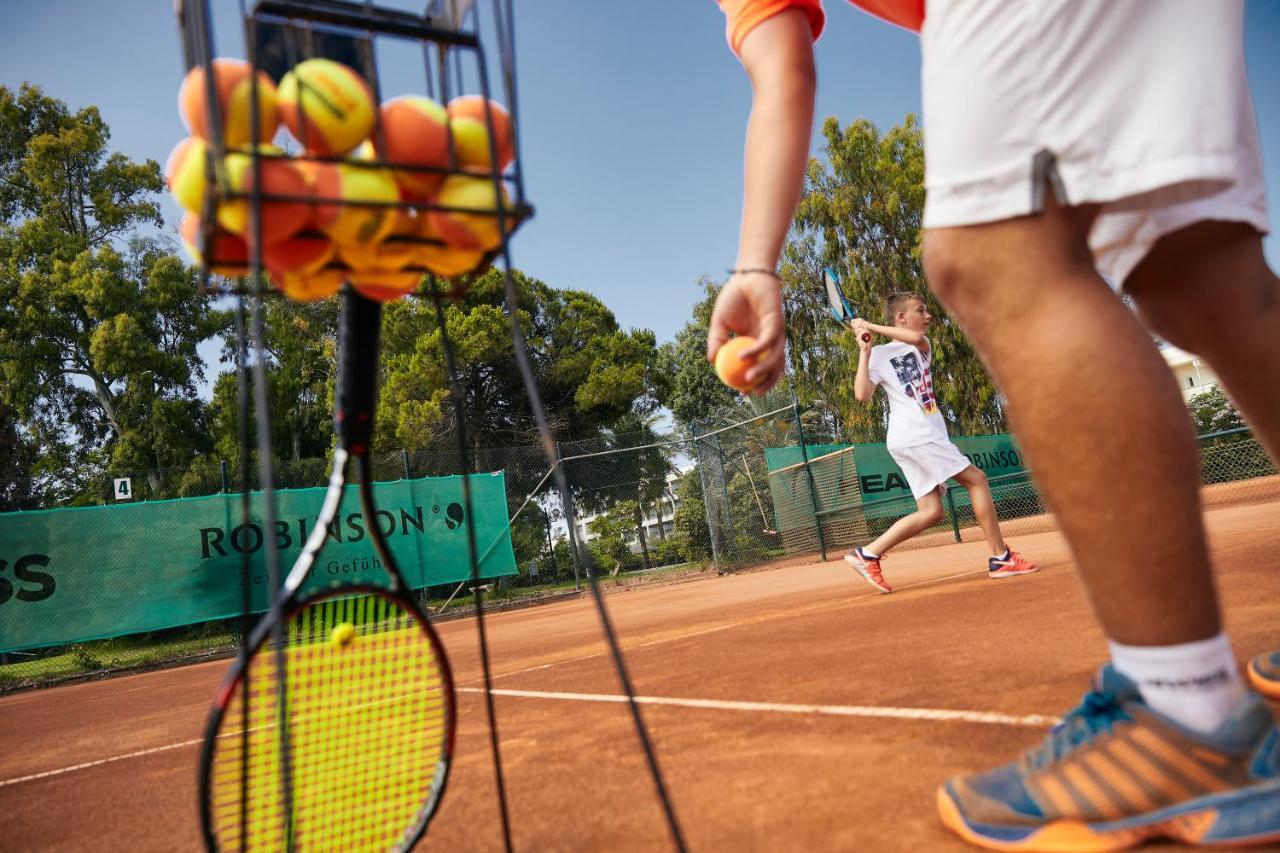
<point x="895" y="301"/>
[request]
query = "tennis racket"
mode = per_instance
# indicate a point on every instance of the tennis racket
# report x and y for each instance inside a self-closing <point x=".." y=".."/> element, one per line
<point x="841" y="307"/>
<point x="349" y="747"/>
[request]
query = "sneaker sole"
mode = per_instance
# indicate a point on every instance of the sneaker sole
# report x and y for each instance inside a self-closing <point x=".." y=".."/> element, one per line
<point x="1187" y="823"/>
<point x="1268" y="687"/>
<point x="995" y="576"/>
<point x="862" y="574"/>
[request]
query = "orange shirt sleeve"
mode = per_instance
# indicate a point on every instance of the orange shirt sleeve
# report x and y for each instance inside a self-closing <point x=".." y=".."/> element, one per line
<point x="908" y="14"/>
<point x="742" y="16"/>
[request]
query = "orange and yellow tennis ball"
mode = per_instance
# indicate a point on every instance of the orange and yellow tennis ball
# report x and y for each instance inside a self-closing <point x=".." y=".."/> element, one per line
<point x="232" y="80"/>
<point x="342" y="634"/>
<point x="326" y="105"/>
<point x="339" y="189"/>
<point x="308" y="286"/>
<point x="732" y="366"/>
<point x="415" y="132"/>
<point x="185" y="173"/>
<point x="304" y="252"/>
<point x="280" y="177"/>
<point x="467" y="121"/>
<point x="463" y="228"/>
<point x="392" y="253"/>
<point x="384" y="286"/>
<point x="444" y="261"/>
<point x="230" y="253"/>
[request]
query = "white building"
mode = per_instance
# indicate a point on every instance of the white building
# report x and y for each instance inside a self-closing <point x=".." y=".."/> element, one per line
<point x="662" y="514"/>
<point x="1193" y="374"/>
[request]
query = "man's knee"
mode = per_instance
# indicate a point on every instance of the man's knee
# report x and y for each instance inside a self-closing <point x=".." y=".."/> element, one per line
<point x="929" y="516"/>
<point x="1201" y="279"/>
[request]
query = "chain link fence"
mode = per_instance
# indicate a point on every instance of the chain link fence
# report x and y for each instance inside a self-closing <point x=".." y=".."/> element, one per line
<point x="755" y="485"/>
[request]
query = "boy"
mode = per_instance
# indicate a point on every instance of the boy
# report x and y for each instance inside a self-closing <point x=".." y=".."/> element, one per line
<point x="1068" y="140"/>
<point x="918" y="441"/>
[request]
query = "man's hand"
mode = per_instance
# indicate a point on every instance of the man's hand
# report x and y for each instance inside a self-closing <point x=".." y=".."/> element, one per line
<point x="862" y="330"/>
<point x="751" y="304"/>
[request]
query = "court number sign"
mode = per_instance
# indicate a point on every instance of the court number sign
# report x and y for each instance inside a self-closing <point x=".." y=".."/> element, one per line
<point x="123" y="489"/>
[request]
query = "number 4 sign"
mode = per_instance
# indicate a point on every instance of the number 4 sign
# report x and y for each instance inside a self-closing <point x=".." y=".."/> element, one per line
<point x="123" y="489"/>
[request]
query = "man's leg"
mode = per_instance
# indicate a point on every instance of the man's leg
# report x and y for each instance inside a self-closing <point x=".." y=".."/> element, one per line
<point x="984" y="508"/>
<point x="1207" y="289"/>
<point x="928" y="513"/>
<point x="1098" y="413"/>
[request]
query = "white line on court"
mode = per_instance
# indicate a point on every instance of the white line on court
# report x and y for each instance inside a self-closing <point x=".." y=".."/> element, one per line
<point x="88" y="764"/>
<point x="989" y="717"/>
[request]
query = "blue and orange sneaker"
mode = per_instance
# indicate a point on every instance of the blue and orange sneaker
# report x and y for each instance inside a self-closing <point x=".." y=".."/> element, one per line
<point x="1010" y="565"/>
<point x="869" y="567"/>
<point x="1264" y="674"/>
<point x="1114" y="774"/>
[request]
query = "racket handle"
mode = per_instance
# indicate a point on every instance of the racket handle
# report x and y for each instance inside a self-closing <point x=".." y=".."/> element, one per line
<point x="359" y="322"/>
<point x="866" y="339"/>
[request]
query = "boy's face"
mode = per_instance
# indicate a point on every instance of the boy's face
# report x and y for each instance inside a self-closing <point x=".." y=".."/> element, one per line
<point x="913" y="316"/>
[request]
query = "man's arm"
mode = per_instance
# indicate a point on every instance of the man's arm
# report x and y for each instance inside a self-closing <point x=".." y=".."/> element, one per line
<point x="778" y="57"/>
<point x="863" y="388"/>
<point x="897" y="333"/>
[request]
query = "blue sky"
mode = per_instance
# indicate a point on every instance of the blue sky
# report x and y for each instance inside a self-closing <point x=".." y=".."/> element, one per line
<point x="632" y="120"/>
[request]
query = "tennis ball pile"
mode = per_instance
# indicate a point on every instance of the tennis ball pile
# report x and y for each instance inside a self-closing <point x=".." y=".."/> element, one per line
<point x="732" y="366"/>
<point x="337" y="213"/>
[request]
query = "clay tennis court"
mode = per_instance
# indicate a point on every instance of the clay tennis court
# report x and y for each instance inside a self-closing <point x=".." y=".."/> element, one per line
<point x="793" y="708"/>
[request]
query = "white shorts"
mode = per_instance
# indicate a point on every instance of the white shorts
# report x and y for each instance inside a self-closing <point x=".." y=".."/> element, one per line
<point x="928" y="466"/>
<point x="1141" y="106"/>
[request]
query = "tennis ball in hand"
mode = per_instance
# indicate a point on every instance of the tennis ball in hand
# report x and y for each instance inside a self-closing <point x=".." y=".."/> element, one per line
<point x="234" y="88"/>
<point x="326" y="105"/>
<point x="342" y="634"/>
<point x="732" y="366"/>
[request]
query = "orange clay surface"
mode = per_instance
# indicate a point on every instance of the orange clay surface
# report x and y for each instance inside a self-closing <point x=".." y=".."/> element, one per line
<point x="828" y="765"/>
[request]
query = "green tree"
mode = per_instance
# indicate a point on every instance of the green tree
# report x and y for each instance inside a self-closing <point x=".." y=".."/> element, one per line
<point x="99" y="326"/>
<point x="861" y="214"/>
<point x="696" y="391"/>
<point x="1213" y="411"/>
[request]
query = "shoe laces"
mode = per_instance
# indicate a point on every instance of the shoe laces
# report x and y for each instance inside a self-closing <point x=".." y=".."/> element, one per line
<point x="1098" y="712"/>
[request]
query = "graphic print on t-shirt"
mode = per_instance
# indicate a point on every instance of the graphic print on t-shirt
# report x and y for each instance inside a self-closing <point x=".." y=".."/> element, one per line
<point x="916" y="382"/>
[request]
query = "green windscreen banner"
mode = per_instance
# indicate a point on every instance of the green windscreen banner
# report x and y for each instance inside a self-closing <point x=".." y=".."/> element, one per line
<point x="881" y="480"/>
<point x="84" y="573"/>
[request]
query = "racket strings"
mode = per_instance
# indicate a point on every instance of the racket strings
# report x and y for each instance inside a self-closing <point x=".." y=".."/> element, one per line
<point x="367" y="719"/>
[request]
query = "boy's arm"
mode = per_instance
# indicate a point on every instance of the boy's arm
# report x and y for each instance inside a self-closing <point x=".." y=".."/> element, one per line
<point x="778" y="57"/>
<point x="896" y="333"/>
<point x="863" y="387"/>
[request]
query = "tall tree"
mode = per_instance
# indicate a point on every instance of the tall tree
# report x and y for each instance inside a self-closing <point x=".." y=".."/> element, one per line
<point x="695" y="392"/>
<point x="861" y="214"/>
<point x="99" y="326"/>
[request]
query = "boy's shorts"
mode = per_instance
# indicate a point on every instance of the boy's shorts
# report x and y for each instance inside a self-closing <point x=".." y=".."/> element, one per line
<point x="928" y="466"/>
<point x="1141" y="106"/>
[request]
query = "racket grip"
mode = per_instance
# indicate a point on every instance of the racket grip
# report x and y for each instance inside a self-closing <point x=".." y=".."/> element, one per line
<point x="359" y="323"/>
<point x="866" y="338"/>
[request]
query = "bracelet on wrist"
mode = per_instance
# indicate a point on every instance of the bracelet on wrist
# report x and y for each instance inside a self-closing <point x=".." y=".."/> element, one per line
<point x="745" y="270"/>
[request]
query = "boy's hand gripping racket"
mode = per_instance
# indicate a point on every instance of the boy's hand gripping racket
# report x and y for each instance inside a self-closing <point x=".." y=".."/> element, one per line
<point x="840" y="306"/>
<point x="350" y="746"/>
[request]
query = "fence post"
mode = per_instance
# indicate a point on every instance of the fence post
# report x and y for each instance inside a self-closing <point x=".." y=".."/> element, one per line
<point x="570" y="519"/>
<point x="951" y="510"/>
<point x="404" y="459"/>
<point x="713" y="530"/>
<point x="813" y="489"/>
<point x="226" y="485"/>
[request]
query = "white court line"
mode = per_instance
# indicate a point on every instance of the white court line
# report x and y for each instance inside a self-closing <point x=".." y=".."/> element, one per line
<point x="88" y="764"/>
<point x="990" y="717"/>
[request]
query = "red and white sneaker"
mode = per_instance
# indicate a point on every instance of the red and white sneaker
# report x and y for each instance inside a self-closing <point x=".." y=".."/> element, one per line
<point x="869" y="568"/>
<point x="1010" y="565"/>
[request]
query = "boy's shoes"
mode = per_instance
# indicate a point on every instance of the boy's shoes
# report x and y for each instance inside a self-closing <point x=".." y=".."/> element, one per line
<point x="869" y="568"/>
<point x="1264" y="674"/>
<point x="1114" y="773"/>
<point x="1010" y="565"/>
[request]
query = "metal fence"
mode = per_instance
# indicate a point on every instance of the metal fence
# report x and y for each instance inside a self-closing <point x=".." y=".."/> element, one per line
<point x="642" y="509"/>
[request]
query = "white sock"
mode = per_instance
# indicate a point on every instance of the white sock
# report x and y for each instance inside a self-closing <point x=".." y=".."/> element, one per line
<point x="1196" y="684"/>
<point x="866" y="552"/>
<point x="1004" y="556"/>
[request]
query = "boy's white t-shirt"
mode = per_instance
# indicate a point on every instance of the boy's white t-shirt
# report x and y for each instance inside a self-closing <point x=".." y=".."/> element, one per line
<point x="903" y="371"/>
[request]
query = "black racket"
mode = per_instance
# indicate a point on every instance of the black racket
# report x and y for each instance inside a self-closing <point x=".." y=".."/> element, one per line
<point x="350" y="749"/>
